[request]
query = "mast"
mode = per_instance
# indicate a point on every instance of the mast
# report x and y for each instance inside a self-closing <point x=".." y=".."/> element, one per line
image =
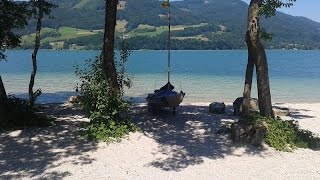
<point x="169" y="45"/>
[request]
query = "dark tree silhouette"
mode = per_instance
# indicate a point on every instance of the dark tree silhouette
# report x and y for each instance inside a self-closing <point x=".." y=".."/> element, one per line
<point x="107" y="55"/>
<point x="12" y="16"/>
<point x="40" y="8"/>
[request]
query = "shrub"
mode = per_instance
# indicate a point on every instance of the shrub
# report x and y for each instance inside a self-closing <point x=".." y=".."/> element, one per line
<point x="284" y="135"/>
<point x="21" y="114"/>
<point x="106" y="112"/>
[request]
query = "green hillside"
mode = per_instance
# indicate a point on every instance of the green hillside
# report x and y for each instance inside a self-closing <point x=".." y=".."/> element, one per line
<point x="197" y="24"/>
<point x="58" y="37"/>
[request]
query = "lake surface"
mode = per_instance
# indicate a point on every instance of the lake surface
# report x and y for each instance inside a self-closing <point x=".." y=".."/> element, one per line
<point x="205" y="76"/>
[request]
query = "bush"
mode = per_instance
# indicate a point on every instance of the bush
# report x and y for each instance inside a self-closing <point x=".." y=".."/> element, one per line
<point x="106" y="112"/>
<point x="21" y="115"/>
<point x="284" y="135"/>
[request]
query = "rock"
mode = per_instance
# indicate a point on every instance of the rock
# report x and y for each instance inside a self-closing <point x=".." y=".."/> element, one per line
<point x="248" y="133"/>
<point x="237" y="106"/>
<point x="217" y="107"/>
<point x="280" y="111"/>
<point x="73" y="99"/>
<point x="260" y="132"/>
<point x="223" y="130"/>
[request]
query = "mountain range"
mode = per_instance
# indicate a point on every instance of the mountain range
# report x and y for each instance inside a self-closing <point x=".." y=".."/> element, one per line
<point x="196" y="24"/>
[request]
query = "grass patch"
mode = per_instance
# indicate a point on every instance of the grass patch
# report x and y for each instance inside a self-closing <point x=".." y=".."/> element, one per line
<point x="65" y="33"/>
<point x="159" y="30"/>
<point x="285" y="135"/>
<point x="198" y="37"/>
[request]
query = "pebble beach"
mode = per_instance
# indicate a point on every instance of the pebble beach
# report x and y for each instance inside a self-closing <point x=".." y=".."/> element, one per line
<point x="185" y="146"/>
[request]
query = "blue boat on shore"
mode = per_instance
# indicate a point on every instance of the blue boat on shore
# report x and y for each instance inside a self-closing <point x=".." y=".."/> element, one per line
<point x="165" y="96"/>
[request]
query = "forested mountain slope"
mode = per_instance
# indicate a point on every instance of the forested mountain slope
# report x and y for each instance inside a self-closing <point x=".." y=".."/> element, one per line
<point x="197" y="24"/>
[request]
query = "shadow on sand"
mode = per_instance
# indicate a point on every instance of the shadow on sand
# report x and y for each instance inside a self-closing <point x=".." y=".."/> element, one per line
<point x="189" y="137"/>
<point x="295" y="114"/>
<point x="186" y="139"/>
<point x="30" y="152"/>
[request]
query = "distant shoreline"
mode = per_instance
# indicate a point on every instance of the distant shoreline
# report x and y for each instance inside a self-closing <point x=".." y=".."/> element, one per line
<point x="170" y="50"/>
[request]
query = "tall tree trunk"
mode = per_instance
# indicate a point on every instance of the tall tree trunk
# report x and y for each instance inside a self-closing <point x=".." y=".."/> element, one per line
<point x="248" y="78"/>
<point x="108" y="47"/>
<point x="264" y="95"/>
<point x="260" y="59"/>
<point x="3" y="99"/>
<point x="34" y="56"/>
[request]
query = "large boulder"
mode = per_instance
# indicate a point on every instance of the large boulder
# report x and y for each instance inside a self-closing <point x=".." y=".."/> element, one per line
<point x="237" y="106"/>
<point x="280" y="111"/>
<point x="217" y="107"/>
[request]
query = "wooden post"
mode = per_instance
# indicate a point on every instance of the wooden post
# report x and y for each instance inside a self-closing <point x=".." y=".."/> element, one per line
<point x="169" y="45"/>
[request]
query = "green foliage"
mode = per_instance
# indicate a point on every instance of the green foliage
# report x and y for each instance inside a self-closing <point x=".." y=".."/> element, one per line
<point x="41" y="8"/>
<point x="269" y="7"/>
<point x="266" y="36"/>
<point x="124" y="79"/>
<point x="108" y="130"/>
<point x="21" y="114"/>
<point x="13" y="15"/>
<point x="284" y="135"/>
<point x="106" y="112"/>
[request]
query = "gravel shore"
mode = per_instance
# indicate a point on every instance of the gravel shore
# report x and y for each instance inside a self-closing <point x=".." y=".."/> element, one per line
<point x="184" y="146"/>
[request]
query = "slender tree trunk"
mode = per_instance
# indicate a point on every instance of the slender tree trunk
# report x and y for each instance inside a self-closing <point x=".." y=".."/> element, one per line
<point x="248" y="79"/>
<point x="34" y="56"/>
<point x="264" y="95"/>
<point x="3" y="99"/>
<point x="260" y="59"/>
<point x="108" y="47"/>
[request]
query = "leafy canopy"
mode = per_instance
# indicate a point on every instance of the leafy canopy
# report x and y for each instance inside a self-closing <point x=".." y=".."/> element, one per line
<point x="41" y="7"/>
<point x="269" y="7"/>
<point x="12" y="16"/>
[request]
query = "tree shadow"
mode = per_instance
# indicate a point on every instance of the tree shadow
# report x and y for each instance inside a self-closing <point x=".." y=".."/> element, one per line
<point x="30" y="152"/>
<point x="189" y="137"/>
<point x="298" y="114"/>
<point x="294" y="112"/>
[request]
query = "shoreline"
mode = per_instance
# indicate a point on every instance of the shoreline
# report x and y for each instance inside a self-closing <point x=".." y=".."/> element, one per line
<point x="80" y="50"/>
<point x="306" y="114"/>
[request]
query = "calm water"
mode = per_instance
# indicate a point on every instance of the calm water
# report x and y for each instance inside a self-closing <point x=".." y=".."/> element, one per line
<point x="205" y="76"/>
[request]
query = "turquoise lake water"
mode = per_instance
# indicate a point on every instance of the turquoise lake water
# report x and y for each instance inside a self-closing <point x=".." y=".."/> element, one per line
<point x="205" y="76"/>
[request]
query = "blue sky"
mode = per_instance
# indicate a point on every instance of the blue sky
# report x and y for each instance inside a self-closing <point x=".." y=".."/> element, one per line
<point x="306" y="8"/>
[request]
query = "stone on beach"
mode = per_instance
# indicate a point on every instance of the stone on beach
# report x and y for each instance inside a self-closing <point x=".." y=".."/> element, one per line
<point x="280" y="111"/>
<point x="237" y="106"/>
<point x="217" y="107"/>
<point x="73" y="99"/>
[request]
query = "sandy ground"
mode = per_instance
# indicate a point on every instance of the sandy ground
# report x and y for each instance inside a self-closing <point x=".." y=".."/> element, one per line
<point x="184" y="146"/>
